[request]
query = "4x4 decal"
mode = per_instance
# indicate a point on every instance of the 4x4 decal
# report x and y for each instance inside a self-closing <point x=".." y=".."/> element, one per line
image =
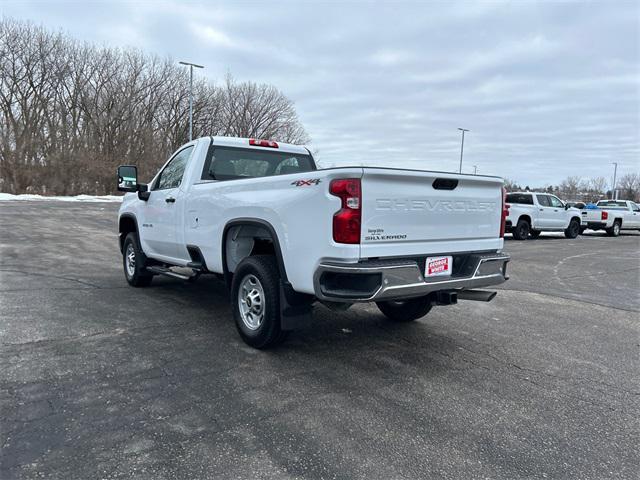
<point x="302" y="183"/>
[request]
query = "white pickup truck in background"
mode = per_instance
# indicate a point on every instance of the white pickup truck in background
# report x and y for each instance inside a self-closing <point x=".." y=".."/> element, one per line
<point x="612" y="216"/>
<point x="283" y="234"/>
<point x="530" y="213"/>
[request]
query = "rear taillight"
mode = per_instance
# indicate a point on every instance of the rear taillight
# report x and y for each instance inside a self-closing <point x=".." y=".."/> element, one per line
<point x="263" y="143"/>
<point x="346" y="221"/>
<point x="604" y="215"/>
<point x="505" y="212"/>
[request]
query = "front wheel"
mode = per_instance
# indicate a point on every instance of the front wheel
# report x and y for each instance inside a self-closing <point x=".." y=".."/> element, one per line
<point x="405" y="310"/>
<point x="614" y="231"/>
<point x="573" y="230"/>
<point x="255" y="299"/>
<point x="133" y="261"/>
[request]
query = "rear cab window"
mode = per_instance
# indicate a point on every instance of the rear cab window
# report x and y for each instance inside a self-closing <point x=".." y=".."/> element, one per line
<point x="612" y="204"/>
<point x="231" y="163"/>
<point x="520" y="198"/>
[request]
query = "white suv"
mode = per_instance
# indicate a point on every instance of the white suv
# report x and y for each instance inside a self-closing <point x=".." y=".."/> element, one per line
<point x="531" y="213"/>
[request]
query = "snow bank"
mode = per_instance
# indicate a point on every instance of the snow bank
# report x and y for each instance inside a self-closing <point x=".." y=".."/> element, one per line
<point x="6" y="197"/>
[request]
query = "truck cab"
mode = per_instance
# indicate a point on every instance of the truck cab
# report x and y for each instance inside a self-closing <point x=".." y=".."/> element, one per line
<point x="531" y="213"/>
<point x="283" y="234"/>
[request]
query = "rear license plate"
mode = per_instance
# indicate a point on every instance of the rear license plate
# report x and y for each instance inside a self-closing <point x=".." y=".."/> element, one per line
<point x="438" y="266"/>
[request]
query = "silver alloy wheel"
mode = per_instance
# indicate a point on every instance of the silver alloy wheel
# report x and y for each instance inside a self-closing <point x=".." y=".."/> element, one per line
<point x="616" y="228"/>
<point x="130" y="260"/>
<point x="251" y="302"/>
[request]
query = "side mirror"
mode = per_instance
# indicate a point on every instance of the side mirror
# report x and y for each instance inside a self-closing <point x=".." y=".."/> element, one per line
<point x="566" y="207"/>
<point x="127" y="178"/>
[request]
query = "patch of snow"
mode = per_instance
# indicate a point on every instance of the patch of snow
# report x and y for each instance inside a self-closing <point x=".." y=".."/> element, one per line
<point x="9" y="197"/>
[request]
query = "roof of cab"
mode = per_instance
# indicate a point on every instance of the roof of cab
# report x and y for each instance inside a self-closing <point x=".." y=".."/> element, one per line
<point x="244" y="143"/>
<point x="530" y="192"/>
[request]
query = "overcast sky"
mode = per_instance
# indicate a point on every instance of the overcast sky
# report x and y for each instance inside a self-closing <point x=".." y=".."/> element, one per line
<point x="548" y="90"/>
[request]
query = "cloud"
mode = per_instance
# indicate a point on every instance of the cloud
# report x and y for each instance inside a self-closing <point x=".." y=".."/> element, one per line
<point x="548" y="90"/>
<point x="212" y="36"/>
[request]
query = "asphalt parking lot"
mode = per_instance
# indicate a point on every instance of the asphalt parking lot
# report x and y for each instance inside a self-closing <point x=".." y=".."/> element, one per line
<point x="100" y="380"/>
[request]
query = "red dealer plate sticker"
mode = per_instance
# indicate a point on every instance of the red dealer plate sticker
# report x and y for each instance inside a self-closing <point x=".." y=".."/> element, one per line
<point x="438" y="266"/>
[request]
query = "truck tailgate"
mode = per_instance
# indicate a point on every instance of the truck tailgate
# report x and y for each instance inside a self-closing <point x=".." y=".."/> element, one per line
<point x="407" y="212"/>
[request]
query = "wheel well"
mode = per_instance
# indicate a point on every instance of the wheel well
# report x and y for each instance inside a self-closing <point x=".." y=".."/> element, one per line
<point x="126" y="225"/>
<point x="525" y="217"/>
<point x="241" y="240"/>
<point x="576" y="218"/>
<point x="618" y="220"/>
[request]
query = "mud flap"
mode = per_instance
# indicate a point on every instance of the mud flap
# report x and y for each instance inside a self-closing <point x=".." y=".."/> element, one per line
<point x="295" y="308"/>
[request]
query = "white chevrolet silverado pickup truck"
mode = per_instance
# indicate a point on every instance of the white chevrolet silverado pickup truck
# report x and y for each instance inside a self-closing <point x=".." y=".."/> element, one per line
<point x="612" y="216"/>
<point x="283" y="234"/>
<point x="530" y="213"/>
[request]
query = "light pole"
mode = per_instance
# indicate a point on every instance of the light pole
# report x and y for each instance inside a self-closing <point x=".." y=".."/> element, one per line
<point x="613" y="187"/>
<point x="475" y="169"/>
<point x="190" y="65"/>
<point x="462" y="146"/>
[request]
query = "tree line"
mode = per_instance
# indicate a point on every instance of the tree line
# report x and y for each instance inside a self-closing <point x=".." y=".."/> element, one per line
<point x="72" y="112"/>
<point x="575" y="188"/>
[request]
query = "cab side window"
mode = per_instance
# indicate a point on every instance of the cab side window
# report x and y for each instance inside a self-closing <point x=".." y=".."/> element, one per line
<point x="171" y="175"/>
<point x="635" y="207"/>
<point x="543" y="200"/>
<point x="556" y="202"/>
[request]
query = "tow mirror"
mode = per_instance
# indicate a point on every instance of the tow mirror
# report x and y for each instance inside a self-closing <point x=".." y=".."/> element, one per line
<point x="127" y="178"/>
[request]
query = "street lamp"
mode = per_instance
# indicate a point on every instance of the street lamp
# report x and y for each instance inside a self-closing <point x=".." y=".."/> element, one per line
<point x="475" y="169"/>
<point x="462" y="146"/>
<point x="613" y="187"/>
<point x="190" y="65"/>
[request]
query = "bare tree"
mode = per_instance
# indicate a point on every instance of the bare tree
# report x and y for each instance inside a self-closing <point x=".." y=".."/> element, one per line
<point x="511" y="185"/>
<point x="629" y="186"/>
<point x="71" y="112"/>
<point x="596" y="189"/>
<point x="570" y="187"/>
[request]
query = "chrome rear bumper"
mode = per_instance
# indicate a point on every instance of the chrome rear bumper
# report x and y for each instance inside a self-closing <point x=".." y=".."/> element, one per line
<point x="373" y="281"/>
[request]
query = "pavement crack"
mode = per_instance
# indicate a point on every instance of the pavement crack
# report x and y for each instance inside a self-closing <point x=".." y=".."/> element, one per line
<point x="48" y="275"/>
<point x="561" y="297"/>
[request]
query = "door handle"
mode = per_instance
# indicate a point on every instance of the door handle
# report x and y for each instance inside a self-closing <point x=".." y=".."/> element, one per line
<point x="170" y="200"/>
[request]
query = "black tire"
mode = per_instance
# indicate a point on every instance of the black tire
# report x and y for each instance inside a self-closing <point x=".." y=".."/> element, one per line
<point x="582" y="229"/>
<point x="573" y="230"/>
<point x="405" y="310"/>
<point x="614" y="231"/>
<point x="535" y="233"/>
<point x="134" y="267"/>
<point x="264" y="331"/>
<point x="521" y="231"/>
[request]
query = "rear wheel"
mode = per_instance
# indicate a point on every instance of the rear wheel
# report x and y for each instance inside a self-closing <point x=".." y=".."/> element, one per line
<point x="535" y="233"/>
<point x="133" y="261"/>
<point x="573" y="230"/>
<point x="614" y="231"/>
<point x="521" y="231"/>
<point x="255" y="299"/>
<point x="405" y="310"/>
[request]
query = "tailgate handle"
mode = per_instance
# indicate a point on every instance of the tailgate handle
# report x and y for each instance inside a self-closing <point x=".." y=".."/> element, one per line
<point x="445" y="183"/>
